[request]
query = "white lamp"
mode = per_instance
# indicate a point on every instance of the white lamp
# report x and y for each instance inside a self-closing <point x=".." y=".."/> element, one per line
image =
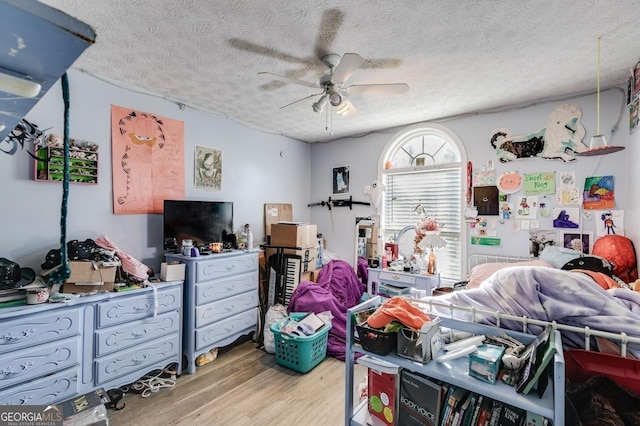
<point x="18" y="86"/>
<point x="433" y="241"/>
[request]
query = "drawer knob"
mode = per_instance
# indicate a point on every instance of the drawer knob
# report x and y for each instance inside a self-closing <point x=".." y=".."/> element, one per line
<point x="10" y="337"/>
<point x="144" y="307"/>
<point x="230" y="267"/>
<point x="140" y="359"/>
<point x="139" y="333"/>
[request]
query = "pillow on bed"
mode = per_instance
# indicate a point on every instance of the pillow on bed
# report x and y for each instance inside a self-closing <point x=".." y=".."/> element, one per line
<point x="483" y="271"/>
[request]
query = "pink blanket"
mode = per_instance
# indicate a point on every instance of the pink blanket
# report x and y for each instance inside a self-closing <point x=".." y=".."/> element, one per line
<point x="337" y="290"/>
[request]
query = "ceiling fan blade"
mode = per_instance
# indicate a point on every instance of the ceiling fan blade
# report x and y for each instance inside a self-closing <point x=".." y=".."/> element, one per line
<point x="300" y="100"/>
<point x="379" y="89"/>
<point x="291" y="80"/>
<point x="346" y="108"/>
<point x="347" y="65"/>
<point x="332" y="20"/>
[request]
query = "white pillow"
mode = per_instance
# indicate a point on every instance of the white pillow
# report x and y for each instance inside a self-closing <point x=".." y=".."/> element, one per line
<point x="483" y="271"/>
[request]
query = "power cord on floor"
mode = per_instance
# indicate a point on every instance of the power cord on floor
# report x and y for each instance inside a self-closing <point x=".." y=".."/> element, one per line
<point x="151" y="383"/>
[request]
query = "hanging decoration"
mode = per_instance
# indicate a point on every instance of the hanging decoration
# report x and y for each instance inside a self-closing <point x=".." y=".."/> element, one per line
<point x="561" y="138"/>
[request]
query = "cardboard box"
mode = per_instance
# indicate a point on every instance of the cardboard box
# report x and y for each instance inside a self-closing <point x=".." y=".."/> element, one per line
<point x="310" y="276"/>
<point x="293" y="235"/>
<point x="172" y="271"/>
<point x="90" y="276"/>
<point x="309" y="257"/>
<point x="274" y="213"/>
<point x="484" y="363"/>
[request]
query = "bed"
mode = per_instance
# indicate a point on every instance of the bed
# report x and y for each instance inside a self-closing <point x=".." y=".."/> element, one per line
<point x="528" y="294"/>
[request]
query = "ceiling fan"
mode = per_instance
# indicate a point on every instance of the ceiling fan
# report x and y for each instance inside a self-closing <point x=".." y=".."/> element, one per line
<point x="334" y="89"/>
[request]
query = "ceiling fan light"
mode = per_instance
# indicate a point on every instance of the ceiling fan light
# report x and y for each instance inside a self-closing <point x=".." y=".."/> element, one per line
<point x="335" y="98"/>
<point x="318" y="106"/>
<point x="342" y="109"/>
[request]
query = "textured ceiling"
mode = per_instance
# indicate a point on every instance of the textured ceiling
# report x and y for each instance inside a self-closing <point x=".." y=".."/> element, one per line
<point x="457" y="57"/>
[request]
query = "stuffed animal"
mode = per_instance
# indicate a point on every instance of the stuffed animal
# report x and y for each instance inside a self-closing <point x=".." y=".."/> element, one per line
<point x="619" y="251"/>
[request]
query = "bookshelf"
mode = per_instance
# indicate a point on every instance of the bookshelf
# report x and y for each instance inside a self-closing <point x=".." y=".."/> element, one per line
<point x="455" y="372"/>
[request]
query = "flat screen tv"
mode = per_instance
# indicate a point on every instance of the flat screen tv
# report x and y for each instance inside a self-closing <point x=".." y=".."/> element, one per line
<point x="203" y="222"/>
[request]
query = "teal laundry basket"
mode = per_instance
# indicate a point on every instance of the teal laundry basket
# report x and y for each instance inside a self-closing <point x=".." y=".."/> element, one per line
<point x="300" y="353"/>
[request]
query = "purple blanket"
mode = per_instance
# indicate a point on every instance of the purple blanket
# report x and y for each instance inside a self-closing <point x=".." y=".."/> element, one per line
<point x="337" y="290"/>
<point x="549" y="294"/>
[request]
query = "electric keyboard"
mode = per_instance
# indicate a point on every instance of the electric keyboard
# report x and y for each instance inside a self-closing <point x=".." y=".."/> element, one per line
<point x="286" y="270"/>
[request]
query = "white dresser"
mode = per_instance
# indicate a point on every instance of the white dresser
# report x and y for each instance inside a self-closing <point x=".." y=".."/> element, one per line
<point x="221" y="300"/>
<point x="424" y="282"/>
<point x="55" y="351"/>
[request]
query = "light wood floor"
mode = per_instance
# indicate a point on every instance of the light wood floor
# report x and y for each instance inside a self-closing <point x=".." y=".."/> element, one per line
<point x="245" y="386"/>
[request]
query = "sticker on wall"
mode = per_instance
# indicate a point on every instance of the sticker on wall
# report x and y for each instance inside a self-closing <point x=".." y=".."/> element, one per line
<point x="609" y="222"/>
<point x="545" y="206"/>
<point x="506" y="210"/>
<point x="526" y="207"/>
<point x="540" y="183"/>
<point x="578" y="242"/>
<point x="598" y="193"/>
<point x="561" y="138"/>
<point x="567" y="180"/>
<point x="540" y="239"/>
<point x="567" y="196"/>
<point x="510" y="182"/>
<point x="566" y="217"/>
<point x="486" y="241"/>
<point x="484" y="178"/>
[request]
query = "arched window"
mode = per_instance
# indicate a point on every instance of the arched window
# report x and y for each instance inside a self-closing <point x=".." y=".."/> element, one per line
<point x="423" y="169"/>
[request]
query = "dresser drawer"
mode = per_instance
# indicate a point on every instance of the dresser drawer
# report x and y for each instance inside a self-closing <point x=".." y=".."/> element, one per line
<point x="125" y="309"/>
<point x="48" y="390"/>
<point x="122" y="336"/>
<point x="135" y="359"/>
<point x="216" y="268"/>
<point x="31" y="330"/>
<point x="221" y="309"/>
<point x="18" y="366"/>
<point x="221" y="332"/>
<point x="400" y="280"/>
<point x="210" y="291"/>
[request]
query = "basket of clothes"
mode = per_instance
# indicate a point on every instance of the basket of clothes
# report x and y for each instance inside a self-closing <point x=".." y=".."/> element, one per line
<point x="301" y="341"/>
<point x="378" y="333"/>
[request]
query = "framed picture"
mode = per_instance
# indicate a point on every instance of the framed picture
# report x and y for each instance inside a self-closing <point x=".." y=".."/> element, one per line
<point x="341" y="180"/>
<point x="207" y="171"/>
<point x="577" y="241"/>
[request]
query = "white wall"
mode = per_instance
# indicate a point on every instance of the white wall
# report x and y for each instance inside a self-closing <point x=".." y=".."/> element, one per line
<point x="254" y="173"/>
<point x="362" y="154"/>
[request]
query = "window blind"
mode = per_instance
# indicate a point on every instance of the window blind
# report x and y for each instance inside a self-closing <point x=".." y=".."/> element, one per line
<point x="439" y="191"/>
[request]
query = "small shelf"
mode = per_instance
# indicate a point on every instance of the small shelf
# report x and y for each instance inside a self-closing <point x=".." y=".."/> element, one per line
<point x="49" y="166"/>
<point x="456" y="372"/>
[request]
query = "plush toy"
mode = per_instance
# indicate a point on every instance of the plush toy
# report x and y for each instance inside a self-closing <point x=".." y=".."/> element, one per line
<point x="619" y="251"/>
<point x="375" y="191"/>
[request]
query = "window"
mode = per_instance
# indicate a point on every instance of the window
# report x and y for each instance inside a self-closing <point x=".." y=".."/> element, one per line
<point x="425" y="165"/>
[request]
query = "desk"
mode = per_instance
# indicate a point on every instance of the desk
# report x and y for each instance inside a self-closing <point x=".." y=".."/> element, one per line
<point x="401" y="279"/>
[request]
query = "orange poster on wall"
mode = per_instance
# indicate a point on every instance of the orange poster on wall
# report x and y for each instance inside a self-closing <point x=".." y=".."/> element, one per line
<point x="147" y="155"/>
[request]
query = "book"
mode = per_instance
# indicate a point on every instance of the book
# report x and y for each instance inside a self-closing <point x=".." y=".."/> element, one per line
<point x="533" y="354"/>
<point x="541" y="368"/>
<point x="512" y="416"/>
<point x="419" y="400"/>
<point x="446" y="407"/>
<point x="476" y="411"/>
<point x="470" y="409"/>
<point x="496" y="412"/>
<point x="461" y="412"/>
<point x="485" y="412"/>
<point x="455" y="401"/>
